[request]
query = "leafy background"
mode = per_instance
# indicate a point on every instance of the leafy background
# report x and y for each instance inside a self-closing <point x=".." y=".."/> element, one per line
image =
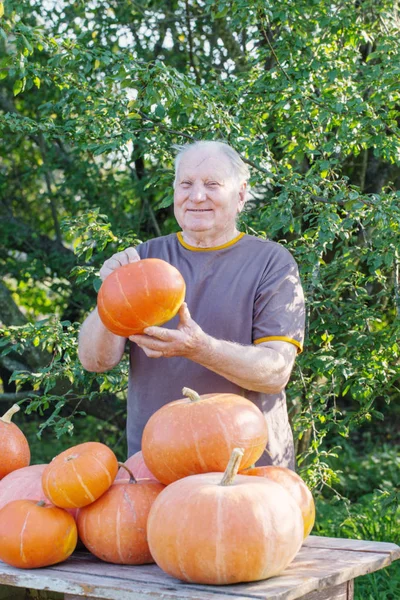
<point x="93" y="97"/>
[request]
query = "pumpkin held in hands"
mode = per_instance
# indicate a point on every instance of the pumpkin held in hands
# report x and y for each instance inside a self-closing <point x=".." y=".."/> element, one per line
<point x="198" y="433"/>
<point x="14" y="447"/>
<point x="34" y="534"/>
<point x="296" y="487"/>
<point x="79" y="475"/>
<point x="221" y="529"/>
<point x="141" y="294"/>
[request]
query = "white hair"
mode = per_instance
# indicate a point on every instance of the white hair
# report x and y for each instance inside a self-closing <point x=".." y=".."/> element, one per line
<point x="239" y="168"/>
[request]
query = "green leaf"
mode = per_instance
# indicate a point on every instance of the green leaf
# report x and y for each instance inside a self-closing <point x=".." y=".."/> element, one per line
<point x="97" y="284"/>
<point x="19" y="86"/>
<point x="160" y="111"/>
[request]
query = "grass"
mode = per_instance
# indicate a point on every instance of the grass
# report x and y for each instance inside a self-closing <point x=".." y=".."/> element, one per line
<point x="367" y="508"/>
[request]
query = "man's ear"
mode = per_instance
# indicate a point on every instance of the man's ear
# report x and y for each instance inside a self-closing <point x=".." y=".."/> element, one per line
<point x="242" y="196"/>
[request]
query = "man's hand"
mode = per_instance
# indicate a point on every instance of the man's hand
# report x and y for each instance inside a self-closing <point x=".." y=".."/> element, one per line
<point x="184" y="341"/>
<point x="129" y="255"/>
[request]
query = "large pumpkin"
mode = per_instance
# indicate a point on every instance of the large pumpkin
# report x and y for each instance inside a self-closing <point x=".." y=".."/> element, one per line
<point x="23" y="484"/>
<point x="79" y="475"/>
<point x="140" y="294"/>
<point x="14" y="447"/>
<point x="35" y="534"/>
<point x="217" y="529"/>
<point x="137" y="466"/>
<point x="296" y="487"/>
<point x="198" y="433"/>
<point x="114" y="527"/>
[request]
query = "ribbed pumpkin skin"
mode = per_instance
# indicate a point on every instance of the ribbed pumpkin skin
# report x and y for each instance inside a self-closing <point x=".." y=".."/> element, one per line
<point x="23" y="484"/>
<point x="202" y="532"/>
<point x="80" y="475"/>
<point x="141" y="294"/>
<point x="296" y="487"/>
<point x="137" y="466"/>
<point x="114" y="527"/>
<point x="185" y="438"/>
<point x="33" y="536"/>
<point x="14" y="449"/>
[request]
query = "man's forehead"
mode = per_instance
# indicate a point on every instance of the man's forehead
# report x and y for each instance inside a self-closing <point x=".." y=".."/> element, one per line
<point x="200" y="162"/>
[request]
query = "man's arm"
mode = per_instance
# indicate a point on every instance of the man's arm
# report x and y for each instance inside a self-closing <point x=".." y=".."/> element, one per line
<point x="100" y="350"/>
<point x="264" y="368"/>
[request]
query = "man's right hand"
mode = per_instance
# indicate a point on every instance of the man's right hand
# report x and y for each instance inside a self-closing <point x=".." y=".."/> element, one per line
<point x="125" y="257"/>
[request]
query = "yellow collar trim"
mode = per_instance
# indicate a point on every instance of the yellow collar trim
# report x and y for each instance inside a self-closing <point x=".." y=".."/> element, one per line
<point x="196" y="249"/>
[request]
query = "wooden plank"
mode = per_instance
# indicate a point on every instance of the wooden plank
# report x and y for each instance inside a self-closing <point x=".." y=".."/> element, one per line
<point x="338" y="592"/>
<point x="314" y="541"/>
<point x="350" y="589"/>
<point x="12" y="593"/>
<point x="314" y="569"/>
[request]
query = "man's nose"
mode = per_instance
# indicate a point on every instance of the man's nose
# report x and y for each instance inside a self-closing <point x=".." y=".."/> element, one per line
<point x="197" y="193"/>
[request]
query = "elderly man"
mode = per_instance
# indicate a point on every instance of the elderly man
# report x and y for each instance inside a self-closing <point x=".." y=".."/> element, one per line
<point x="242" y="322"/>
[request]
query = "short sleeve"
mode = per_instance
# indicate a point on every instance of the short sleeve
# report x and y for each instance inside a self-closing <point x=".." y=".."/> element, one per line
<point x="279" y="312"/>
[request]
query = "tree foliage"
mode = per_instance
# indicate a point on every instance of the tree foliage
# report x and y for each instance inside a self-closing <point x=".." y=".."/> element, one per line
<point x="93" y="97"/>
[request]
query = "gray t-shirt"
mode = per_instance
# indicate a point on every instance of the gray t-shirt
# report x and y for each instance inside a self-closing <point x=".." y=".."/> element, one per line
<point x="247" y="291"/>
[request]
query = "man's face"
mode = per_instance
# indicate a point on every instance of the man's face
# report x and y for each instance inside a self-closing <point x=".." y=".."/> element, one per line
<point x="207" y="196"/>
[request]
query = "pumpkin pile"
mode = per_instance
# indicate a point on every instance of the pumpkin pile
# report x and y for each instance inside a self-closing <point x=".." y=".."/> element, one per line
<point x="191" y="500"/>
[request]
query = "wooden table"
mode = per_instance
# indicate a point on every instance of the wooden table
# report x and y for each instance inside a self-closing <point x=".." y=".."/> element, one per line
<point x="324" y="569"/>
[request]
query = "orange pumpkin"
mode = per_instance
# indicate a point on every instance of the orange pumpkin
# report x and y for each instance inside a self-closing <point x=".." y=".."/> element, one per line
<point x="218" y="530"/>
<point x="140" y="294"/>
<point x="23" y="484"/>
<point x="79" y="475"/>
<point x="35" y="534"/>
<point x="14" y="447"/>
<point x="114" y="527"/>
<point x="137" y="466"/>
<point x="296" y="488"/>
<point x="198" y="433"/>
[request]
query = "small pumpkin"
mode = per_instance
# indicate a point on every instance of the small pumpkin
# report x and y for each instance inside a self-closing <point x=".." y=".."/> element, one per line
<point x="114" y="527"/>
<point x="214" y="529"/>
<point x="296" y="487"/>
<point x="35" y="534"/>
<point x="79" y="475"/>
<point x="14" y="447"/>
<point x="198" y="433"/>
<point x="140" y="294"/>
<point x="137" y="466"/>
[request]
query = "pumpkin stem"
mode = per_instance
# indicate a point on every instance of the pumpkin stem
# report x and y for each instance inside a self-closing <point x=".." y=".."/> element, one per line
<point x="41" y="503"/>
<point x="131" y="475"/>
<point x="9" y="414"/>
<point x="233" y="466"/>
<point x="191" y="394"/>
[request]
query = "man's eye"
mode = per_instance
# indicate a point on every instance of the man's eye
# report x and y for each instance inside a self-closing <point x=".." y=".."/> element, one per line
<point x="186" y="183"/>
<point x="212" y="183"/>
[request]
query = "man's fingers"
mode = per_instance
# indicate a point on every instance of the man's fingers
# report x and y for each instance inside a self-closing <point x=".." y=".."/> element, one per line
<point x="184" y="314"/>
<point x="146" y="341"/>
<point x="152" y="353"/>
<point x="132" y="254"/>
<point x="119" y="259"/>
<point x="160" y="333"/>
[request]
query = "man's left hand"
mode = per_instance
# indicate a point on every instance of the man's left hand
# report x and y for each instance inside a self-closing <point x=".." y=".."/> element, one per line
<point x="184" y="341"/>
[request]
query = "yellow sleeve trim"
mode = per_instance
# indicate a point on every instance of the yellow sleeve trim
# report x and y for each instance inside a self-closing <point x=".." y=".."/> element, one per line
<point x="195" y="249"/>
<point x="280" y="338"/>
